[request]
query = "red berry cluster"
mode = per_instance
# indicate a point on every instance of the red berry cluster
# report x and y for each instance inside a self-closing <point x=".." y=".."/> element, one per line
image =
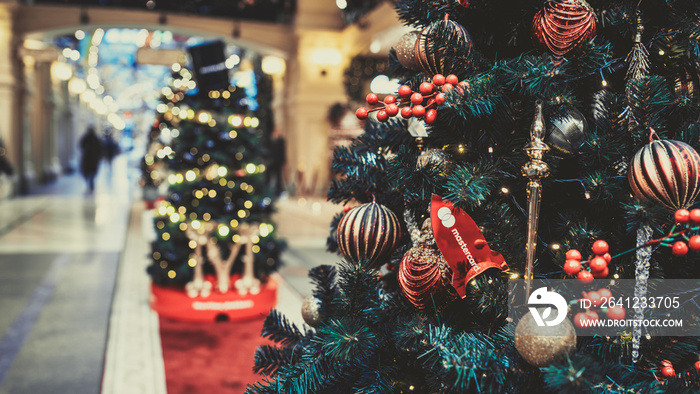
<point x="598" y="298"/>
<point x="597" y="265"/>
<point x="686" y="221"/>
<point x="421" y="104"/>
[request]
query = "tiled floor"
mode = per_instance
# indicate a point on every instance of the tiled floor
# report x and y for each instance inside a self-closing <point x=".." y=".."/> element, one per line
<point x="74" y="291"/>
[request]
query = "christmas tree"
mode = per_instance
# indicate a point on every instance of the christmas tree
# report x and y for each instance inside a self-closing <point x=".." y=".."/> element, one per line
<point x="551" y="131"/>
<point x="215" y="219"/>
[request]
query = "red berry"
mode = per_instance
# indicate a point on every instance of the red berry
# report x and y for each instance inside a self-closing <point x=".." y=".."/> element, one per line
<point x="668" y="372"/>
<point x="572" y="267"/>
<point x="682" y="216"/>
<point x="573" y="254"/>
<point x="389" y="99"/>
<point x="452" y="79"/>
<point x="404" y="91"/>
<point x="680" y="248"/>
<point x="697" y="365"/>
<point x="430" y="116"/>
<point x="382" y="116"/>
<point x="607" y="257"/>
<point x="600" y="247"/>
<point x="406" y="112"/>
<point x="602" y="274"/>
<point x="372" y="98"/>
<point x="463" y="86"/>
<point x="598" y="264"/>
<point x="605" y="293"/>
<point x="694" y="243"/>
<point x="418" y="111"/>
<point x="426" y="88"/>
<point x="592" y="315"/>
<point x="440" y="98"/>
<point x="695" y="216"/>
<point x="594" y="297"/>
<point x="392" y="109"/>
<point x="347" y="208"/>
<point x="439" y="79"/>
<point x="616" y="313"/>
<point x="361" y="113"/>
<point x="585" y="277"/>
<point x="416" y="98"/>
<point x="579" y="318"/>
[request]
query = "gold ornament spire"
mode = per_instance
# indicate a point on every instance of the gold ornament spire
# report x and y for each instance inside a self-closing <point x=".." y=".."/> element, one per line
<point x="534" y="170"/>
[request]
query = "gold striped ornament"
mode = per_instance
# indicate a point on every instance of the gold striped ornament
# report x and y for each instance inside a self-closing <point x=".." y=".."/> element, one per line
<point x="667" y="172"/>
<point x="368" y="232"/>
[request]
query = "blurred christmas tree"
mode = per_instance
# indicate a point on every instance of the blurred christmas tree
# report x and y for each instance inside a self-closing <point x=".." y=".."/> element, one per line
<point x="216" y="215"/>
<point x="595" y="78"/>
<point x="154" y="166"/>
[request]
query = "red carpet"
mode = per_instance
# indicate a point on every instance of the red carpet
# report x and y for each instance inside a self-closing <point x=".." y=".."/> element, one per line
<point x="209" y="357"/>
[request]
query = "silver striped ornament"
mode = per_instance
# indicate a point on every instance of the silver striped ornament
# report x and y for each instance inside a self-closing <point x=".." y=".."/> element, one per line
<point x="369" y="231"/>
<point x="666" y="171"/>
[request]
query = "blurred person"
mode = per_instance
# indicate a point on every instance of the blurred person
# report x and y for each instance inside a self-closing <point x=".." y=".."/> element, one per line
<point x="91" y="148"/>
<point x="110" y="147"/>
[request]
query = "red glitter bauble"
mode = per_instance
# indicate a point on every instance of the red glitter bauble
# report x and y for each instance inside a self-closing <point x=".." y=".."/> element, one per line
<point x="424" y="277"/>
<point x="563" y="24"/>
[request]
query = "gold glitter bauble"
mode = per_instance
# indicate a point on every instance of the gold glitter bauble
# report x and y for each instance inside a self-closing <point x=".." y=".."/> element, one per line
<point x="541" y="346"/>
<point x="406" y="50"/>
<point x="310" y="311"/>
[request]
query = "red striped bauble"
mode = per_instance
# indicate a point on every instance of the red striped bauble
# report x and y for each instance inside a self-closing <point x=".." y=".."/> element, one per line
<point x="368" y="232"/>
<point x="561" y="25"/>
<point x="666" y="171"/>
<point x="424" y="277"/>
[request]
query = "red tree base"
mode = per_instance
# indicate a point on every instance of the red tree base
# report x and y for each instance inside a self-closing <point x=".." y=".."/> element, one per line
<point x="232" y="306"/>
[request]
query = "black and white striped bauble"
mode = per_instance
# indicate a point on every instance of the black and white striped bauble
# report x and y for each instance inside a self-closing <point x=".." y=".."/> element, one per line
<point x="666" y="171"/>
<point x="369" y="231"/>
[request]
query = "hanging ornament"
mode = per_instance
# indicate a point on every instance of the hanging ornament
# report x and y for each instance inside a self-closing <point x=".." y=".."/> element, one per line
<point x="638" y="61"/>
<point x="424" y="275"/>
<point x="562" y="25"/>
<point x="462" y="244"/>
<point x="368" y="232"/>
<point x="310" y="311"/>
<point x="541" y="346"/>
<point x="406" y="50"/>
<point x="534" y="170"/>
<point x="665" y="171"/>
<point x="566" y="134"/>
<point x="429" y="52"/>
<point x="433" y="157"/>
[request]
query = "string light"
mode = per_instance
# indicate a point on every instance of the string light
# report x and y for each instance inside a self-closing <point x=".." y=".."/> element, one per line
<point x="661" y="52"/>
<point x="164" y="264"/>
<point x="587" y="195"/>
<point x="505" y="190"/>
<point x="171" y="274"/>
<point x="555" y="246"/>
